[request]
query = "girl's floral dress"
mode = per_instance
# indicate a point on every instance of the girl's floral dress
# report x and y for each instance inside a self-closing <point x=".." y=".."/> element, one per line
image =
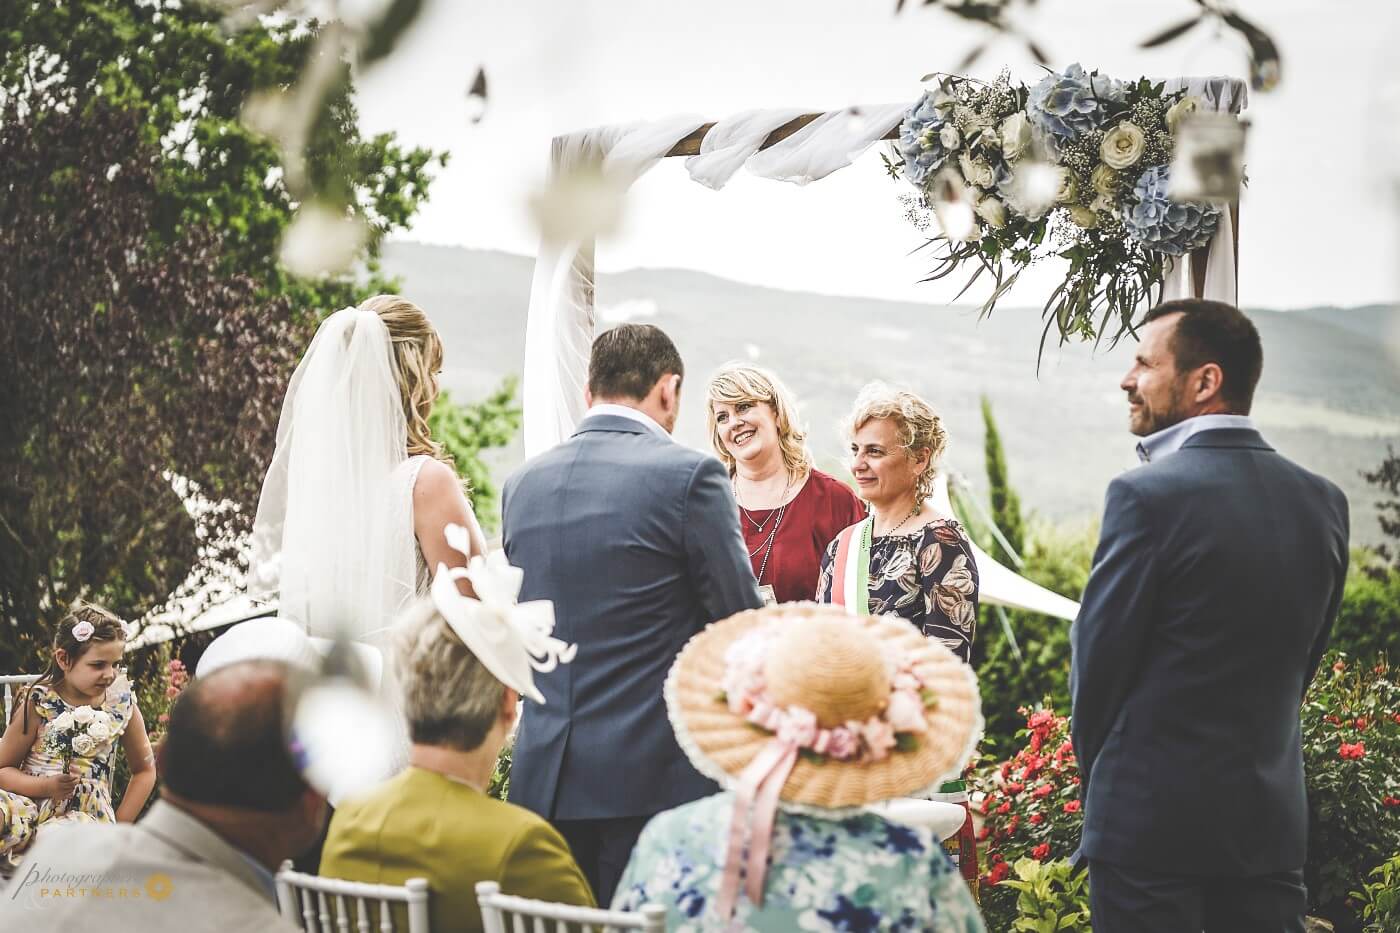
<point x="21" y="816"/>
<point x="859" y="872"/>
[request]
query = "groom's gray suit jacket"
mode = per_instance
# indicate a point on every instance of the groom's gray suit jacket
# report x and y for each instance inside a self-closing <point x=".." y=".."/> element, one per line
<point x="1218" y="574"/>
<point x="636" y="540"/>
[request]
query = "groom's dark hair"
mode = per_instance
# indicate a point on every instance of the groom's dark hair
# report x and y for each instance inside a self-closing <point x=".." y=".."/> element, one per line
<point x="629" y="359"/>
<point x="1219" y="333"/>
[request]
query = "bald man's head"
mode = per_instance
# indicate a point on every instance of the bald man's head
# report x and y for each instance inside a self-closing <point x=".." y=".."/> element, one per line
<point x="226" y="742"/>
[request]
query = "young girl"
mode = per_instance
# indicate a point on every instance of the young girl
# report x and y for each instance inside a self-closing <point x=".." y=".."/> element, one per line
<point x="62" y="716"/>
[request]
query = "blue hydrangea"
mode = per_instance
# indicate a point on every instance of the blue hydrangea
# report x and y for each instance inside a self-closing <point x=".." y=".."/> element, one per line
<point x="923" y="151"/>
<point x="1069" y="104"/>
<point x="1164" y="225"/>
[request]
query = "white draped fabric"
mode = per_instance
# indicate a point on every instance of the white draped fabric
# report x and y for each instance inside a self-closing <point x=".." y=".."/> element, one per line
<point x="559" y="330"/>
<point x="1227" y="95"/>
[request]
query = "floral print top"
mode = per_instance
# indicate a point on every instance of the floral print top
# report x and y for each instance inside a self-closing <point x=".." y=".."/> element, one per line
<point x="928" y="577"/>
<point x="860" y="872"/>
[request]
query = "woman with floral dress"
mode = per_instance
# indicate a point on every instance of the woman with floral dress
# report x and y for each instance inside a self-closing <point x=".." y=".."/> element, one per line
<point x="59" y="748"/>
<point x="906" y="559"/>
<point x="807" y="715"/>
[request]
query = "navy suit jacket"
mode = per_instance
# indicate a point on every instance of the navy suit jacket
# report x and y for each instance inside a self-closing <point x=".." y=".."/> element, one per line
<point x="1216" y="580"/>
<point x="636" y="540"/>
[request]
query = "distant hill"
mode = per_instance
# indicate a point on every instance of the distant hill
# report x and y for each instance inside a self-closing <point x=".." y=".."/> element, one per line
<point x="1330" y="395"/>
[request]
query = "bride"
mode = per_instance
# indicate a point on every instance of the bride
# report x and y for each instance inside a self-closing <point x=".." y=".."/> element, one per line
<point x="350" y="523"/>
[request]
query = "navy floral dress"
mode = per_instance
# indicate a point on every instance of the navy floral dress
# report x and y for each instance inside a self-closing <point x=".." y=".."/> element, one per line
<point x="860" y="872"/>
<point x="928" y="576"/>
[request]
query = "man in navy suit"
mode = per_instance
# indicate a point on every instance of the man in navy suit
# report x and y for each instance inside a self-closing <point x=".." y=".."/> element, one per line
<point x="636" y="540"/>
<point x="1216" y="580"/>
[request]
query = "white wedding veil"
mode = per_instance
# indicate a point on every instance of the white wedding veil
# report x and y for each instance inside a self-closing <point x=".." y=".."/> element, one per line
<point x="331" y="540"/>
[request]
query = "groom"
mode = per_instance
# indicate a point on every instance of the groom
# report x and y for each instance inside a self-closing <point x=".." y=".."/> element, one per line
<point x="1218" y="574"/>
<point x="636" y="540"/>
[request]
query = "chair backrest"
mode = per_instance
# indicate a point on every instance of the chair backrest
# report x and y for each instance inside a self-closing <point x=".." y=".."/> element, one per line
<point x="502" y="913"/>
<point x="10" y="682"/>
<point x="330" y="905"/>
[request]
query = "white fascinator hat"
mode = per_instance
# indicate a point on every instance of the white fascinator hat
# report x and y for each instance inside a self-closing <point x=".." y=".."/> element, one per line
<point x="512" y="640"/>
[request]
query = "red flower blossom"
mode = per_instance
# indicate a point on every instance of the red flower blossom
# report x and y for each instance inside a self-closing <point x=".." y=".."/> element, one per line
<point x="164" y="718"/>
<point x="1041" y="719"/>
<point x="1015" y="787"/>
<point x="1073" y="806"/>
<point x="1042" y="791"/>
<point x="997" y="874"/>
<point x="1004" y="808"/>
<point x="1037" y="819"/>
<point x="987" y="803"/>
<point x="1396" y="717"/>
<point x="1339" y="666"/>
<point x="1389" y="801"/>
<point x="1076" y="779"/>
<point x="1361" y="723"/>
<point x="1353" y="752"/>
<point x="1332" y="719"/>
<point x="1041" y="852"/>
<point x="983" y="833"/>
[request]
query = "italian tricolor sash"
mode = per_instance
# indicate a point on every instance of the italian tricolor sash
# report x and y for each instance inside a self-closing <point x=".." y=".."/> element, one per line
<point x="850" y="577"/>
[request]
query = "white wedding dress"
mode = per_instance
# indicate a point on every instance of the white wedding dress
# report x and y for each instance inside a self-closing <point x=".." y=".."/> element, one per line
<point x="334" y="541"/>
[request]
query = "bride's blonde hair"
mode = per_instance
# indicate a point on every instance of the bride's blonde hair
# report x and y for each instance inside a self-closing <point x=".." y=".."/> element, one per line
<point x="417" y="353"/>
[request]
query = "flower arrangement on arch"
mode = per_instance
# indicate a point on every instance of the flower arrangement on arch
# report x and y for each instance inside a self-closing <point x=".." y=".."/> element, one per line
<point x="1076" y="165"/>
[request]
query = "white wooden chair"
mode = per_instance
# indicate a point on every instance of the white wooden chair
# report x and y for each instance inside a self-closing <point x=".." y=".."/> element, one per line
<point x="502" y="913"/>
<point x="10" y="682"/>
<point x="330" y="905"/>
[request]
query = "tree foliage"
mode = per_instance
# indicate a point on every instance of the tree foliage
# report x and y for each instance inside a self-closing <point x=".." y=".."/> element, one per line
<point x="127" y="364"/>
<point x="171" y="63"/>
<point x="467" y="431"/>
<point x="1006" y="505"/>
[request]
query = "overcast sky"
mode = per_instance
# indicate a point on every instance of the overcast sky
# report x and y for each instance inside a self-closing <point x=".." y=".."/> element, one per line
<point x="1319" y="221"/>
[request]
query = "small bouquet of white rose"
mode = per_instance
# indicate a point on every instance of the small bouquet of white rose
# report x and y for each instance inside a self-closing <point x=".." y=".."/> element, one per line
<point x="80" y="732"/>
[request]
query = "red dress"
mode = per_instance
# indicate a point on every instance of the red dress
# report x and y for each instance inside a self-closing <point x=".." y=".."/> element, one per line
<point x="807" y="525"/>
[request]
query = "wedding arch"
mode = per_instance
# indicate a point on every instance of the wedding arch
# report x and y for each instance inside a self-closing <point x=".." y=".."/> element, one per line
<point x="784" y="145"/>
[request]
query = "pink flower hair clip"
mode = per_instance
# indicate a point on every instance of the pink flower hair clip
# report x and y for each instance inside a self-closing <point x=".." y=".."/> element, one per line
<point x="82" y="631"/>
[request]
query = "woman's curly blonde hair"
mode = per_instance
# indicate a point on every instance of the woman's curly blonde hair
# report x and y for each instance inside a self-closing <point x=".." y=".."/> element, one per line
<point x="916" y="424"/>
<point x="417" y="351"/>
<point x="738" y="382"/>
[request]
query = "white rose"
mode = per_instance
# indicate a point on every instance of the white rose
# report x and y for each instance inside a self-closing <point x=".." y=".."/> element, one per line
<point x="992" y="211"/>
<point x="1083" y="216"/>
<point x="1015" y="135"/>
<point x="989" y="139"/>
<point x="100" y="731"/>
<point x="1180" y="110"/>
<point x="64" y="722"/>
<point x="84" y="745"/>
<point x="1066" y="187"/>
<point x="1104" y="180"/>
<point x="1122" y="146"/>
<point x="976" y="171"/>
<point x="84" y="715"/>
<point x="950" y="137"/>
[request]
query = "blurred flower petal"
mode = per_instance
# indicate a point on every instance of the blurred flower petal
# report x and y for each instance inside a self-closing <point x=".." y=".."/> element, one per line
<point x="345" y="736"/>
<point x="476" y="97"/>
<point x="321" y="241"/>
<point x="578" y="205"/>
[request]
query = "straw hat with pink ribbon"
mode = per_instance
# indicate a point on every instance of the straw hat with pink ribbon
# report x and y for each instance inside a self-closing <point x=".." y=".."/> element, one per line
<point x="804" y="707"/>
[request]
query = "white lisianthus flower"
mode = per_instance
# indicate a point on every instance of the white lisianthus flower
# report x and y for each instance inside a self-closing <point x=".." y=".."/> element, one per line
<point x="1083" y="216"/>
<point x="63" y="722"/>
<point x="950" y="137"/>
<point x="1066" y="187"/>
<point x="1103" y="204"/>
<point x="1015" y="136"/>
<point x="989" y="138"/>
<point x="84" y="745"/>
<point x="84" y="715"/>
<point x="992" y="211"/>
<point x="99" y="731"/>
<point x="1104" y="180"/>
<point x="1180" y="110"/>
<point x="1123" y="145"/>
<point x="976" y="171"/>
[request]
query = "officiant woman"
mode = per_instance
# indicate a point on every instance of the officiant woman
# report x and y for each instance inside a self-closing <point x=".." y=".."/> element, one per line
<point x="788" y="510"/>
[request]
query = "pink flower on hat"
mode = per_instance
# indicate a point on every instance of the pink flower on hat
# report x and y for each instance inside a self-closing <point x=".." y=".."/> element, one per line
<point x="82" y="631"/>
<point x="799" y="726"/>
<point x="879" y="737"/>
<point x="844" y="744"/>
<point x="906" y="712"/>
